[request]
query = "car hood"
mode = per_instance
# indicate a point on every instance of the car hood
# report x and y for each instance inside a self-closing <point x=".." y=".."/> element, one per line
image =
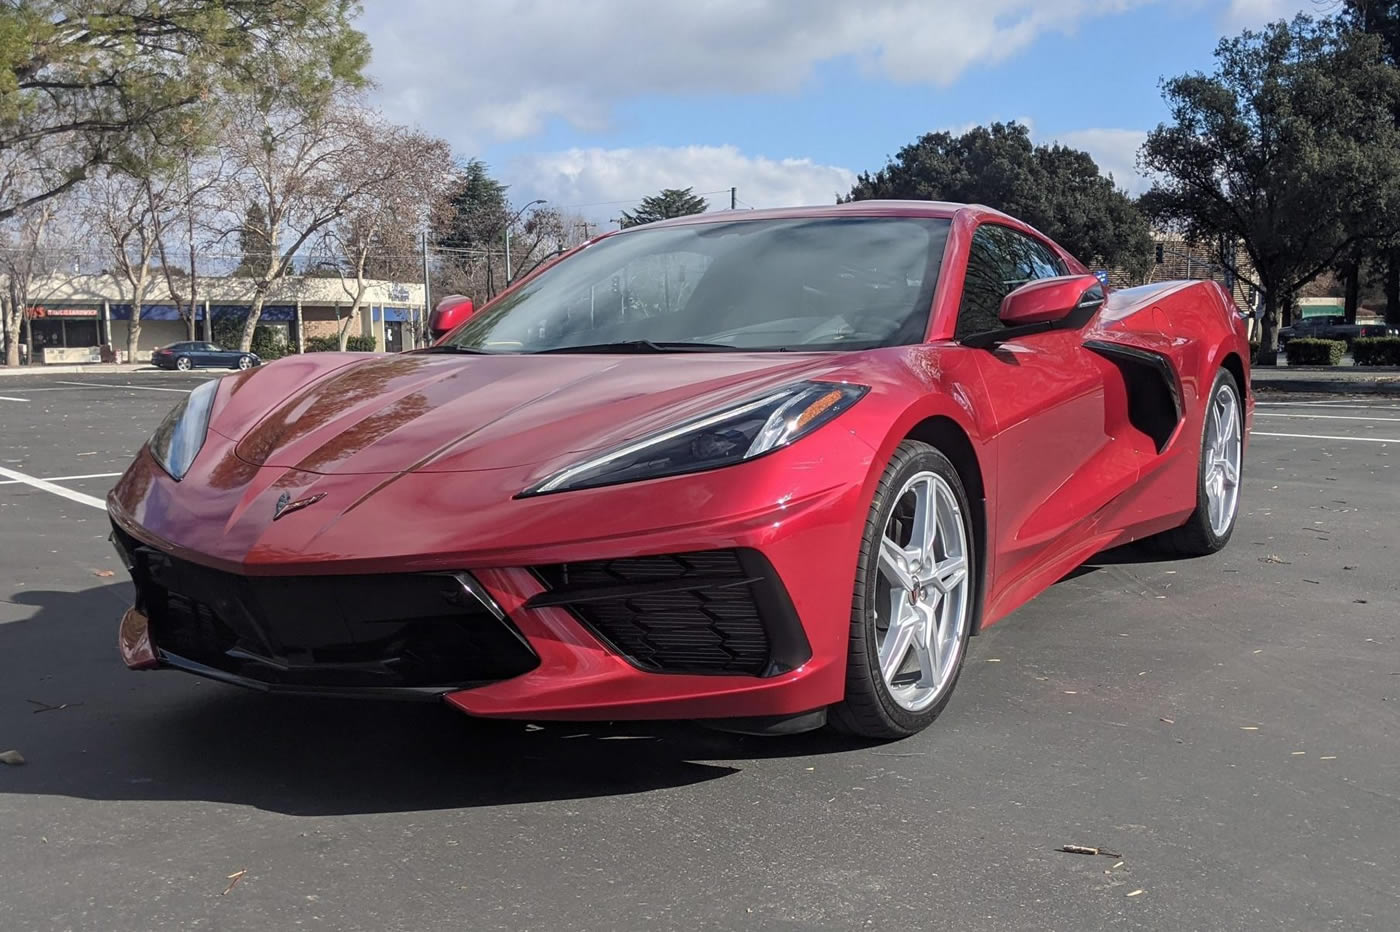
<point x="348" y="414"/>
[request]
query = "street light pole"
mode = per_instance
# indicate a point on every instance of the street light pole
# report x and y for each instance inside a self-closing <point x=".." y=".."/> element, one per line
<point x="511" y="223"/>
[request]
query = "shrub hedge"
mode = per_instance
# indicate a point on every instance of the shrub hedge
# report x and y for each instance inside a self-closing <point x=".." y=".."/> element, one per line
<point x="1376" y="351"/>
<point x="355" y="344"/>
<point x="1307" y="351"/>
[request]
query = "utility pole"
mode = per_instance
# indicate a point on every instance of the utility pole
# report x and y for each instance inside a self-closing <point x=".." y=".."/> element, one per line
<point x="508" y="254"/>
<point x="734" y="198"/>
<point x="427" y="299"/>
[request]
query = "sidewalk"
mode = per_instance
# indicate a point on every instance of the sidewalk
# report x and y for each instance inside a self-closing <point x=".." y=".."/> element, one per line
<point x="92" y="368"/>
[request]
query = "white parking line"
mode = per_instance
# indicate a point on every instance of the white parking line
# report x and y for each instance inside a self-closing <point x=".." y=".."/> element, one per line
<point x="1325" y="417"/>
<point x="1326" y="404"/>
<point x="44" y="485"/>
<point x="1255" y="433"/>
<point x="134" y="388"/>
<point x="8" y="398"/>
<point x="95" y="475"/>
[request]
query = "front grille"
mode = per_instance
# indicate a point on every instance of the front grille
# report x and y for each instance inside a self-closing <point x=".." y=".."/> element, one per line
<point x="716" y="611"/>
<point x="342" y="632"/>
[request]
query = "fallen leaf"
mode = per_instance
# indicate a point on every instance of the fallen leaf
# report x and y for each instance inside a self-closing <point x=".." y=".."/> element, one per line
<point x="993" y="660"/>
<point x="1169" y="721"/>
<point x="13" y="758"/>
<point x="1299" y="753"/>
<point x="103" y="573"/>
<point x="1137" y="892"/>
<point x="233" y="881"/>
<point x="1274" y="558"/>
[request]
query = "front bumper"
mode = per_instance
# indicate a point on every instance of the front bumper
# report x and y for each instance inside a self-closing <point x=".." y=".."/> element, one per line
<point x="588" y="661"/>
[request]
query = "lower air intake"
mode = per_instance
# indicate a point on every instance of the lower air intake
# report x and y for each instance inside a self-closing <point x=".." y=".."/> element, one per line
<point x="709" y="612"/>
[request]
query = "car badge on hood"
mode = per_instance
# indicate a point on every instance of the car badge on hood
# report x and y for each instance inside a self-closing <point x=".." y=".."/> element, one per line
<point x="286" y="506"/>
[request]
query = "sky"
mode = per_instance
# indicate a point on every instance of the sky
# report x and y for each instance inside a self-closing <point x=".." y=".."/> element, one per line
<point x="593" y="104"/>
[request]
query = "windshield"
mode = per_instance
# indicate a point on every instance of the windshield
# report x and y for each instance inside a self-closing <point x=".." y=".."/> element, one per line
<point x="821" y="283"/>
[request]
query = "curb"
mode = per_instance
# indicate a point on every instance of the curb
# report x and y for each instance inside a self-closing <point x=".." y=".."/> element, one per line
<point x="1329" y="386"/>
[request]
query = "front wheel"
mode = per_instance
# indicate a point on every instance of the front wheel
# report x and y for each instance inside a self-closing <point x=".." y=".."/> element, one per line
<point x="915" y="598"/>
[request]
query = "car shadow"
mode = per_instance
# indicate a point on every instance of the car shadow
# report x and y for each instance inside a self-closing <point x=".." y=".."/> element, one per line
<point x="91" y="729"/>
<point x="1126" y="555"/>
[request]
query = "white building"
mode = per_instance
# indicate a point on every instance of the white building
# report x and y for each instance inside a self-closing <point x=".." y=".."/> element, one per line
<point x="86" y="312"/>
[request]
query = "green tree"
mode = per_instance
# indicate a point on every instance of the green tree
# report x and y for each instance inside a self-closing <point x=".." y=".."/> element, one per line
<point x="1056" y="189"/>
<point x="1381" y="18"/>
<point x="476" y="211"/>
<point x="1288" y="148"/>
<point x="671" y="202"/>
<point x="255" y="248"/>
<point x="85" y="83"/>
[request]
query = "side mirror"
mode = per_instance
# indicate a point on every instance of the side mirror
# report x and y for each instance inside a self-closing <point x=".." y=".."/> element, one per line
<point x="450" y="313"/>
<point x="1050" y="300"/>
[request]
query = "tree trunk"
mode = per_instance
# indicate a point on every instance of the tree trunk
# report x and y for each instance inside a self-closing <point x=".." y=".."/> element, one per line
<point x="1351" y="274"/>
<point x="245" y="342"/>
<point x="1268" y="330"/>
<point x="11" y="327"/>
<point x="133" y="329"/>
<point x="1392" y="287"/>
<point x="28" y="338"/>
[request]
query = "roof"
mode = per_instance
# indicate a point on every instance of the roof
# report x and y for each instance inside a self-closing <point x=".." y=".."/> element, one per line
<point x="870" y="208"/>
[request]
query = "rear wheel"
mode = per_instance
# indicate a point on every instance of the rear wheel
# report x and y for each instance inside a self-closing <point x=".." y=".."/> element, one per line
<point x="914" y="601"/>
<point x="184" y="364"/>
<point x="245" y="362"/>
<point x="1217" y="477"/>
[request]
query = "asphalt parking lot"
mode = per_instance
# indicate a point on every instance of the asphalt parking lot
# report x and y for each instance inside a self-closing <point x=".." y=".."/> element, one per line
<point x="1229" y="727"/>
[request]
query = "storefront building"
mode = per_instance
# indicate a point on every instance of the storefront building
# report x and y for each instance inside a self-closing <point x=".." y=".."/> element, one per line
<point x="73" y="319"/>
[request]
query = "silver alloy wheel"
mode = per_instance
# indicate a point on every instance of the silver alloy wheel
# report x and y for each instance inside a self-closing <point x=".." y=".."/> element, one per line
<point x="1223" y="453"/>
<point x="922" y="592"/>
<point x="182" y="363"/>
<point x="244" y="362"/>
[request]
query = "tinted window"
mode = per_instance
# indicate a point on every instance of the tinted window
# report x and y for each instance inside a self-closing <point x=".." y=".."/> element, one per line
<point x="819" y="283"/>
<point x="999" y="261"/>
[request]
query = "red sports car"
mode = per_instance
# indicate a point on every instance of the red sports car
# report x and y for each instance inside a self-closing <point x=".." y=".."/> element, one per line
<point x="767" y="470"/>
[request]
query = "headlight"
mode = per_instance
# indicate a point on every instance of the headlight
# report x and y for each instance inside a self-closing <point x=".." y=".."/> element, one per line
<point x="732" y="435"/>
<point x="178" y="438"/>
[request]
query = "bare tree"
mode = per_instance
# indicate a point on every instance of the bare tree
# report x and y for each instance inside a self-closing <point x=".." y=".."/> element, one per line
<point x="126" y="214"/>
<point x="24" y="257"/>
<point x="307" y="169"/>
<point x="189" y="195"/>
<point x="375" y="237"/>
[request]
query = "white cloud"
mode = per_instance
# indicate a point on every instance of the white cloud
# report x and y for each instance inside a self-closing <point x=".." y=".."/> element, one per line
<point x="601" y="182"/>
<point x="503" y="69"/>
<point x="1251" y="14"/>
<point x="1115" y="151"/>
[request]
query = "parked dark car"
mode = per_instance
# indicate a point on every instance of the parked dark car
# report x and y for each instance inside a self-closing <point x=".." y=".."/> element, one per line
<point x="1331" y="327"/>
<point x="194" y="355"/>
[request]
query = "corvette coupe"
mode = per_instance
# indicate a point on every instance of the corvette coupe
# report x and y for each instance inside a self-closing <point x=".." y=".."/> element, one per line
<point x="768" y="470"/>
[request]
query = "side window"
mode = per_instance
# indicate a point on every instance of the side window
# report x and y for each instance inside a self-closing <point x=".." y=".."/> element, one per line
<point x="999" y="261"/>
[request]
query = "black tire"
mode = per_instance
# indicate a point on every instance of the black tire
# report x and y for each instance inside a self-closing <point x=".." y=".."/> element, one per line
<point x="868" y="710"/>
<point x="183" y="364"/>
<point x="1196" y="538"/>
<point x="243" y="362"/>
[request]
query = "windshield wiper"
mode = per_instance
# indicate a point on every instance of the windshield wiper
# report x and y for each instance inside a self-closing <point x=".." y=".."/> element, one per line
<point x="453" y="348"/>
<point x="643" y="346"/>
